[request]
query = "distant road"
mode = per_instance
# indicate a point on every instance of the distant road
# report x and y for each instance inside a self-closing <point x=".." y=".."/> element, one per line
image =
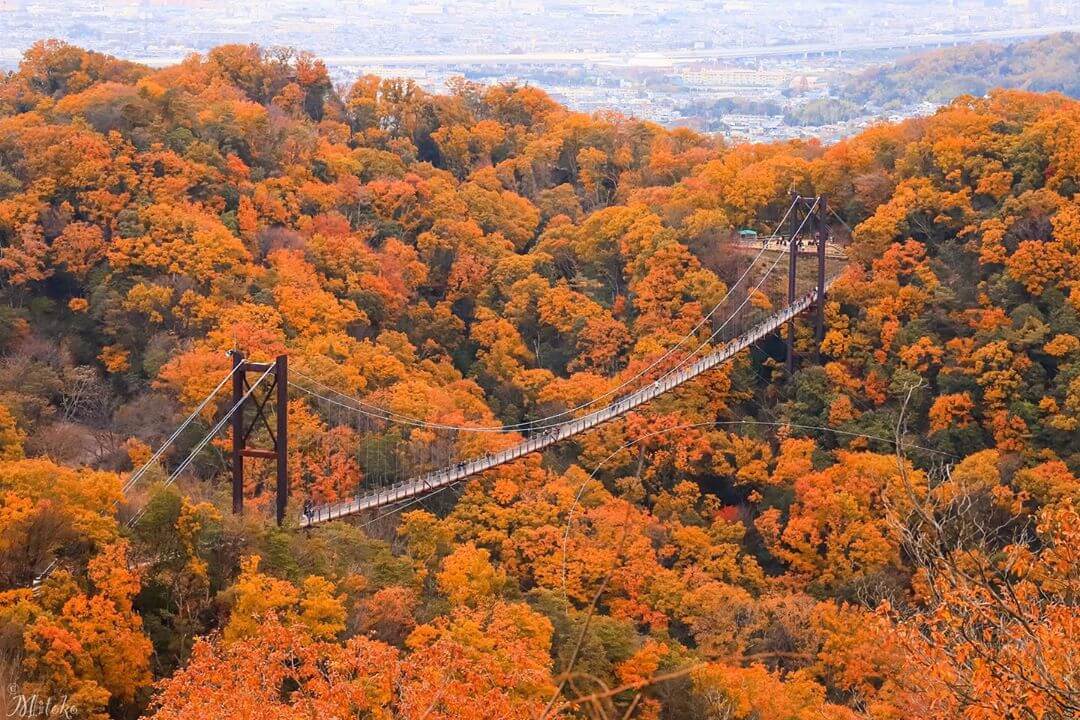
<point x="676" y="56"/>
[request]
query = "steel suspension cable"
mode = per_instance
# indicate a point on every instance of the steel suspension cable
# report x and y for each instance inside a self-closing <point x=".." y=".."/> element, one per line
<point x="544" y="422"/>
<point x="137" y="475"/>
<point x="391" y="416"/>
<point x="842" y="221"/>
<point x="745" y="300"/>
<point x="720" y="329"/>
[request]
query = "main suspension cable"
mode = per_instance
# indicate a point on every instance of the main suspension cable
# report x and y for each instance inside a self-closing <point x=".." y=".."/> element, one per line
<point x="399" y="418"/>
<point x="383" y="414"/>
<point x="772" y="267"/>
<point x="545" y="422"/>
<point x="137" y="475"/>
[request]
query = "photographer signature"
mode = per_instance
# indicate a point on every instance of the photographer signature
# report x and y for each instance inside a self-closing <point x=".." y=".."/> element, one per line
<point x="36" y="706"/>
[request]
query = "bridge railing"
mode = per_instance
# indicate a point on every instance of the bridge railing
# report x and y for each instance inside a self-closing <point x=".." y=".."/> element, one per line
<point x="807" y="246"/>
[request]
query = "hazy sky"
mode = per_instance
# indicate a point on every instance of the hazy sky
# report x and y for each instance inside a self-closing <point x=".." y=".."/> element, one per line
<point x="160" y="31"/>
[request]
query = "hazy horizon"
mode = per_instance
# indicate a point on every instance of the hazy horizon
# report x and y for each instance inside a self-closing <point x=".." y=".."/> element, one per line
<point x="148" y="29"/>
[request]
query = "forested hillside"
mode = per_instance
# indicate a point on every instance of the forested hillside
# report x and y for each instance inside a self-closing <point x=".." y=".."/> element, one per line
<point x="1045" y="64"/>
<point x="486" y="257"/>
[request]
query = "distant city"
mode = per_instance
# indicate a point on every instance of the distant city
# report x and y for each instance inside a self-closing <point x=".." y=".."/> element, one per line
<point x="747" y="69"/>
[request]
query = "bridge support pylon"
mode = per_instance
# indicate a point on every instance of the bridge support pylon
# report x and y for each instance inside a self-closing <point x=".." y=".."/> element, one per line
<point x="241" y="429"/>
<point x="822" y="234"/>
<point x="793" y="255"/>
<point x="816" y="207"/>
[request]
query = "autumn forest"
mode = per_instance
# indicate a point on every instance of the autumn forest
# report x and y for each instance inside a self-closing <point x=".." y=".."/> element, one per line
<point x="891" y="531"/>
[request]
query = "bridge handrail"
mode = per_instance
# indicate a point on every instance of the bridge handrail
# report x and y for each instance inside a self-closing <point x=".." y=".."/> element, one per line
<point x="833" y="250"/>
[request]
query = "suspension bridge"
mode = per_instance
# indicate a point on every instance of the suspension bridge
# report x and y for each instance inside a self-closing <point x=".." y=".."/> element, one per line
<point x="408" y="489"/>
<point x="738" y="321"/>
<point x="740" y="325"/>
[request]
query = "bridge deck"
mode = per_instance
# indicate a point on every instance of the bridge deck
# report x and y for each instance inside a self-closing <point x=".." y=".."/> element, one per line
<point x="423" y="484"/>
